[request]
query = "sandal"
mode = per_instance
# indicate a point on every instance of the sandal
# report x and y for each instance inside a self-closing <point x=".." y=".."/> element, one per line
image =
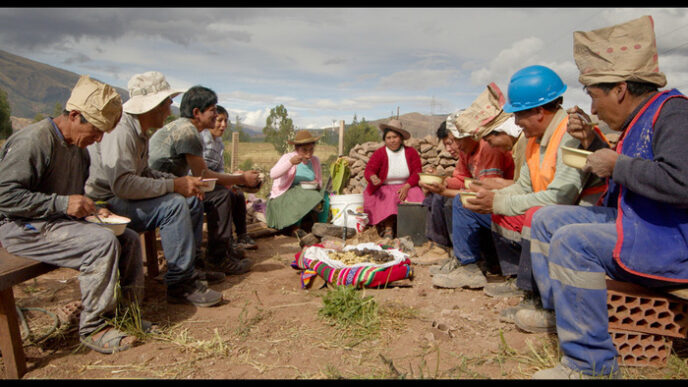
<point x="111" y="340"/>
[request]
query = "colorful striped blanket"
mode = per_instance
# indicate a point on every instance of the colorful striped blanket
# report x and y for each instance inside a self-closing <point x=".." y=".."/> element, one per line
<point x="314" y="261"/>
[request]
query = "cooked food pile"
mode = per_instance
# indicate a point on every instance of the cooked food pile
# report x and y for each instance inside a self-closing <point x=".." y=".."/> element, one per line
<point x="353" y="257"/>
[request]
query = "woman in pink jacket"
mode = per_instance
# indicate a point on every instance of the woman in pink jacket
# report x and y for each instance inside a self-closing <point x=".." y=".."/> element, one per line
<point x="392" y="175"/>
<point x="296" y="187"/>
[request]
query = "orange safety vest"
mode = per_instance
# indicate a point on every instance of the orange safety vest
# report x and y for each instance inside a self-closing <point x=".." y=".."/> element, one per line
<point x="541" y="176"/>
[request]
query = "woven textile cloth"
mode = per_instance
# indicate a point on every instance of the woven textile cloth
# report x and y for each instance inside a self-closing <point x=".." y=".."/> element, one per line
<point x="314" y="261"/>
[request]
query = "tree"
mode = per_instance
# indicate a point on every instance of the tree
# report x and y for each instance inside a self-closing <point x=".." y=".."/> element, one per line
<point x="38" y="117"/>
<point x="169" y="119"/>
<point x="278" y="129"/>
<point x="5" y="111"/>
<point x="358" y="134"/>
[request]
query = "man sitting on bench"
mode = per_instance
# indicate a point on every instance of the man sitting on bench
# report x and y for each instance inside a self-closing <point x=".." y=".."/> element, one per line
<point x="639" y="234"/>
<point x="44" y="167"/>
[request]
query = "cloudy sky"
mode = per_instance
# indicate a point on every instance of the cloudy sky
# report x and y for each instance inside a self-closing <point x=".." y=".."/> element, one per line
<point x="327" y="64"/>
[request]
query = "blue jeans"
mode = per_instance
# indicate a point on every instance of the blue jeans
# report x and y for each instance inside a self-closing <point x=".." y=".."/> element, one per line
<point x="571" y="251"/>
<point x="181" y="228"/>
<point x="470" y="233"/>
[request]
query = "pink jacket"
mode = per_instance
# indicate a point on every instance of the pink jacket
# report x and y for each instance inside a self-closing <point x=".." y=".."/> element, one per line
<point x="283" y="173"/>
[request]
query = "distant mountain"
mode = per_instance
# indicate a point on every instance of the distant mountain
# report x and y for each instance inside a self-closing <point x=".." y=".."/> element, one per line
<point x="419" y="125"/>
<point x="33" y="87"/>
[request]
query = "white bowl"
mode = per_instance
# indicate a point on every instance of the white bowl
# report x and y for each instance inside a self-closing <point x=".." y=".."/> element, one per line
<point x="429" y="178"/>
<point x="210" y="184"/>
<point x="465" y="195"/>
<point x="573" y="157"/>
<point x="114" y="223"/>
<point x="305" y="185"/>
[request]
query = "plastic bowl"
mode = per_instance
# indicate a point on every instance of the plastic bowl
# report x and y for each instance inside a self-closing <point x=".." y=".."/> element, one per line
<point x="305" y="185"/>
<point x="573" y="157"/>
<point x="429" y="178"/>
<point x="465" y="195"/>
<point x="467" y="182"/>
<point x="210" y="184"/>
<point x="114" y="223"/>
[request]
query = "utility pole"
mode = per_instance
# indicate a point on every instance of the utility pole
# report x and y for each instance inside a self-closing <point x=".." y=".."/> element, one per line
<point x="397" y="112"/>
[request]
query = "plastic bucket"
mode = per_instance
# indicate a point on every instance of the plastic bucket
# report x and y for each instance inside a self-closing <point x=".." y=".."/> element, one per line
<point x="347" y="211"/>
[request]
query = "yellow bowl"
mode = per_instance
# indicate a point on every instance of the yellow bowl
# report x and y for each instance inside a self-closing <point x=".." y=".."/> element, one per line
<point x="465" y="195"/>
<point x="429" y="178"/>
<point x="573" y="157"/>
<point x="115" y="223"/>
<point x="467" y="182"/>
<point x="210" y="184"/>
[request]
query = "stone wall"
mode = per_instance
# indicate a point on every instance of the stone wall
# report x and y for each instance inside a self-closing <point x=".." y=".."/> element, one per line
<point x="431" y="150"/>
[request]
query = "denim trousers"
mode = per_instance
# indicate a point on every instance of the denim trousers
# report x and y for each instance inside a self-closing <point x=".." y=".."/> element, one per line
<point x="571" y="252"/>
<point x="180" y="221"/>
<point x="471" y="233"/>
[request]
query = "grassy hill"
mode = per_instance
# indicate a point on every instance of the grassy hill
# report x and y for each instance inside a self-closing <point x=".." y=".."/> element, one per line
<point x="33" y="87"/>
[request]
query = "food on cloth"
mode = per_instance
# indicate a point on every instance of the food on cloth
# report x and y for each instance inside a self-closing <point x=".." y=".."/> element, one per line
<point x="355" y="256"/>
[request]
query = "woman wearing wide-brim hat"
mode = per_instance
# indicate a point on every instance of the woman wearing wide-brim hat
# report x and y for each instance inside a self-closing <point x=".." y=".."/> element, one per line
<point x="392" y="175"/>
<point x="290" y="204"/>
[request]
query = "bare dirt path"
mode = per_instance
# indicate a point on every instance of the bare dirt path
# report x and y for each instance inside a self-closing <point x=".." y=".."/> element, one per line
<point x="268" y="327"/>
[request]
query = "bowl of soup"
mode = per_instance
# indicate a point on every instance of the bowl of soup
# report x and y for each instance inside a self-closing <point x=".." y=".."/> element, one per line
<point x="574" y="157"/>
<point x="115" y="223"/>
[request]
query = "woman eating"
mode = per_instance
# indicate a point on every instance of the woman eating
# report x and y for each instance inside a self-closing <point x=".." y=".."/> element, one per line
<point x="392" y="175"/>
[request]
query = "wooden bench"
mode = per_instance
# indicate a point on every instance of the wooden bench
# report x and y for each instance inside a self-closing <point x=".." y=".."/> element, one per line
<point x="14" y="270"/>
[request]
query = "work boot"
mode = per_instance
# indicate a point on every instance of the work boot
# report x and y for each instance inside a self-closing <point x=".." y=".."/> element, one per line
<point x="237" y="251"/>
<point x="465" y="276"/>
<point x="327" y="229"/>
<point x="536" y="320"/>
<point x="445" y="267"/>
<point x="561" y="371"/>
<point x="232" y="265"/>
<point x="530" y="301"/>
<point x="193" y="292"/>
<point x="504" y="289"/>
<point x="209" y="277"/>
<point x="245" y="242"/>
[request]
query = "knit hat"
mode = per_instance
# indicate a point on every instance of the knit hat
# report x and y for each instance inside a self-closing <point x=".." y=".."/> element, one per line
<point x="484" y="114"/>
<point x="146" y="91"/>
<point x="451" y="125"/>
<point x="623" y="52"/>
<point x="98" y="102"/>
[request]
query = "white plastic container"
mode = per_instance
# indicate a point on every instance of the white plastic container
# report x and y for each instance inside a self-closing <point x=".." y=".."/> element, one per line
<point x="347" y="211"/>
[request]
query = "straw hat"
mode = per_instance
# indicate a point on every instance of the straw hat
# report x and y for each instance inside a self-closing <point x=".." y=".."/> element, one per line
<point x="396" y="126"/>
<point x="146" y="91"/>
<point x="98" y="102"/>
<point x="303" y="137"/>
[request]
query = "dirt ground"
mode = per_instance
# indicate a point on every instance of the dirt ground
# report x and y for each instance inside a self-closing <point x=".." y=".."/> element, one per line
<point x="269" y="328"/>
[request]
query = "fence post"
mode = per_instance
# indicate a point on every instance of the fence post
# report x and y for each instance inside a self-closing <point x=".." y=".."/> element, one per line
<point x="341" y="138"/>
<point x="235" y="152"/>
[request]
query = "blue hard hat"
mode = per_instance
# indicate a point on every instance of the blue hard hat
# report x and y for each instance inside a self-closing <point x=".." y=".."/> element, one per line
<point x="531" y="87"/>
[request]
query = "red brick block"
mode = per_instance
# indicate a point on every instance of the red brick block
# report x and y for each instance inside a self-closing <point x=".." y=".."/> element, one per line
<point x="637" y="309"/>
<point x="637" y="349"/>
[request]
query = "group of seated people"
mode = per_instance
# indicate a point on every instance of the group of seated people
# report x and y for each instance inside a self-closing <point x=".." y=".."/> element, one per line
<point x="556" y="230"/>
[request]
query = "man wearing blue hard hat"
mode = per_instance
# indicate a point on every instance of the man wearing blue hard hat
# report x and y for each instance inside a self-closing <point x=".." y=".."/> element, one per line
<point x="639" y="233"/>
<point x="535" y="98"/>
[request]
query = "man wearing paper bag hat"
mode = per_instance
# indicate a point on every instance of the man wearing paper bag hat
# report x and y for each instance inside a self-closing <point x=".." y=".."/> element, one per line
<point x="476" y="160"/>
<point x="639" y="233"/>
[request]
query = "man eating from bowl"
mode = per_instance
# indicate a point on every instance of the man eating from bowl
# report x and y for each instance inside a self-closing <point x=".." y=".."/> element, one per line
<point x="177" y="148"/>
<point x="44" y="167"/>
<point x="120" y="175"/>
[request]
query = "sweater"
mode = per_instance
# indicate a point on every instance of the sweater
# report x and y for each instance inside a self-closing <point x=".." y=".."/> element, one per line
<point x="379" y="165"/>
<point x="283" y="172"/>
